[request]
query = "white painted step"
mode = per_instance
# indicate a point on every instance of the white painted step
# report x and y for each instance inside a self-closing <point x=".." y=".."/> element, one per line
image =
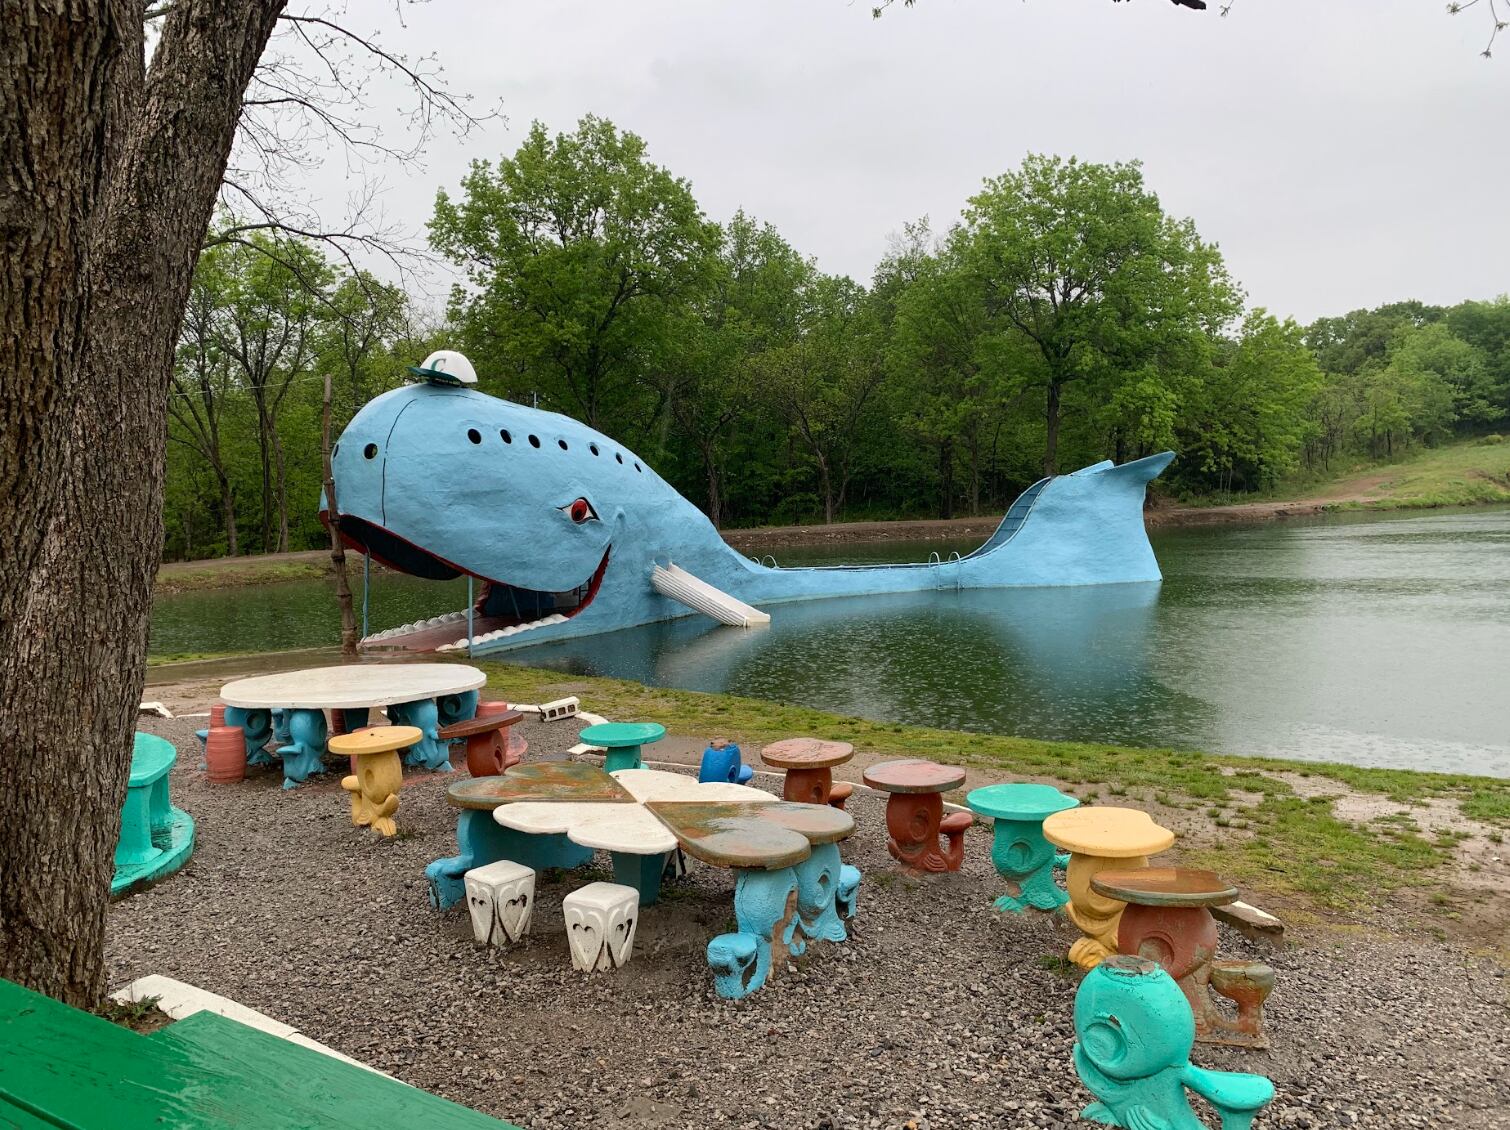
<point x="179" y="1000"/>
<point x="675" y="582"/>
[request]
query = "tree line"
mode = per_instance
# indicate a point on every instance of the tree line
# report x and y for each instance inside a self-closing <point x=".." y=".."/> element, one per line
<point x="1063" y="318"/>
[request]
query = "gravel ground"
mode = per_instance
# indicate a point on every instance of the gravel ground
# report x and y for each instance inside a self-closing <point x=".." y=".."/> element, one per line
<point x="937" y="1013"/>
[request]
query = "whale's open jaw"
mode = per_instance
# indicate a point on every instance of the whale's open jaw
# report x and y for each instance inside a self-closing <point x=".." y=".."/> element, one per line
<point x="510" y="609"/>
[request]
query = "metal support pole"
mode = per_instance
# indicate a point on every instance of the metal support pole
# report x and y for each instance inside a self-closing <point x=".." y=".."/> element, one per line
<point x="469" y="616"/>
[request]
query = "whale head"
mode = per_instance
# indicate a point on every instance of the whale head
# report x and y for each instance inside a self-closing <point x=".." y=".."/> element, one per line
<point x="443" y="481"/>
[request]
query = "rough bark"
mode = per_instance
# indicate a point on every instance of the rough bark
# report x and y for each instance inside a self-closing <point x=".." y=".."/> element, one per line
<point x="1051" y="427"/>
<point x="109" y="176"/>
<point x="337" y="546"/>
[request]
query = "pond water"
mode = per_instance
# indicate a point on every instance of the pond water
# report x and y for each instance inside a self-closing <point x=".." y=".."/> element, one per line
<point x="1373" y="640"/>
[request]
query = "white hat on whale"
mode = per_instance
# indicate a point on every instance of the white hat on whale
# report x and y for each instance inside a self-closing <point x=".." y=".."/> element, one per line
<point x="447" y="367"/>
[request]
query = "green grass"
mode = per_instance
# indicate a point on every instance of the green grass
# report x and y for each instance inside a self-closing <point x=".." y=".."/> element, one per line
<point x="1466" y="473"/>
<point x="193" y="576"/>
<point x="1283" y="842"/>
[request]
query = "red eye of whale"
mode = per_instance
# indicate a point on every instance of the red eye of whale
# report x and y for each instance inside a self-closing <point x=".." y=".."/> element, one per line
<point x="580" y="511"/>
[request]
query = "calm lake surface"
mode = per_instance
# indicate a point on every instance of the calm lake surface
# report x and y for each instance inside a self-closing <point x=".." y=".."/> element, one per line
<point x="1374" y="640"/>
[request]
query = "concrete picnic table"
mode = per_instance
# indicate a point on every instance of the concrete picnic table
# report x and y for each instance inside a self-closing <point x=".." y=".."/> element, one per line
<point x="809" y="765"/>
<point x="1101" y="838"/>
<point x="555" y="814"/>
<point x="291" y="704"/>
<point x="915" y="812"/>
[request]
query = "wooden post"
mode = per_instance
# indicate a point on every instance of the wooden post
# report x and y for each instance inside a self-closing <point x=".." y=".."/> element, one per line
<point x="337" y="549"/>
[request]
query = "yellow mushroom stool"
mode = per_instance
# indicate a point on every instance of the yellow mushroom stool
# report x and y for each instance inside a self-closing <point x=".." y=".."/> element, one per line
<point x="379" y="773"/>
<point x="1101" y="838"/>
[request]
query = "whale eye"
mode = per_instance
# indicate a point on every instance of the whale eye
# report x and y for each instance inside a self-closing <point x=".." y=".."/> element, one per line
<point x="581" y="511"/>
<point x="370" y="451"/>
<point x="593" y="448"/>
<point x="561" y="443"/>
<point x="474" y="435"/>
<point x="619" y="457"/>
<point x="534" y="441"/>
<point x="503" y="434"/>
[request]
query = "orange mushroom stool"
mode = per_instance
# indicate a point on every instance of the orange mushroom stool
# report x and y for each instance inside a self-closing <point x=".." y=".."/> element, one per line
<point x="488" y="742"/>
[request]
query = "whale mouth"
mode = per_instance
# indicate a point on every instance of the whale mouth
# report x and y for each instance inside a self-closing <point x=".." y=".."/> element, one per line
<point x="502" y="610"/>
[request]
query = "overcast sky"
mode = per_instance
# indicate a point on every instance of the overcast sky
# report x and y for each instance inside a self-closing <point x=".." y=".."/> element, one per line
<point x="1342" y="153"/>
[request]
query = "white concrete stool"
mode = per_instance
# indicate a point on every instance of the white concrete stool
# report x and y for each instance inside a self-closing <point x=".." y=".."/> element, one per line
<point x="600" y="922"/>
<point x="501" y="899"/>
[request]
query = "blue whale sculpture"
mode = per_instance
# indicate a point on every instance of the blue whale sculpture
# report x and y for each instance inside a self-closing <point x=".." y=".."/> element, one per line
<point x="565" y="527"/>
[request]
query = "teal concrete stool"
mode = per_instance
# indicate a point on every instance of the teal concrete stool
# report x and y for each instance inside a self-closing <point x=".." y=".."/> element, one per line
<point x="1022" y="856"/>
<point x="156" y="838"/>
<point x="622" y="741"/>
<point x="1133" y="1035"/>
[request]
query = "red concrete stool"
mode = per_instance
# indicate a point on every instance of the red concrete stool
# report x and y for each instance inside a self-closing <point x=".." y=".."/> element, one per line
<point x="838" y="793"/>
<point x="488" y="742"/>
<point x="915" y="813"/>
<point x="225" y="754"/>
<point x="1168" y="920"/>
<point x="809" y="764"/>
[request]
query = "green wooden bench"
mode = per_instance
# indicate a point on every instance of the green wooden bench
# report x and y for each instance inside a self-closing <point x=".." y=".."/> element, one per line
<point x="66" y="1068"/>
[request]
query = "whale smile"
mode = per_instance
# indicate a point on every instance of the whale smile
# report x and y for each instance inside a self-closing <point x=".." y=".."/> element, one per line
<point x="502" y="609"/>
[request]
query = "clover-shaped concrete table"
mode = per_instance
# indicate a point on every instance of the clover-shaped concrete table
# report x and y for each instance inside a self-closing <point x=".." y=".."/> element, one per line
<point x="1101" y="838"/>
<point x="1021" y="855"/>
<point x="424" y="695"/>
<point x="788" y="876"/>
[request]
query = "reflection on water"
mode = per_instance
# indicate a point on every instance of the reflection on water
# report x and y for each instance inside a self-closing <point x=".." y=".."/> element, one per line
<point x="1377" y="641"/>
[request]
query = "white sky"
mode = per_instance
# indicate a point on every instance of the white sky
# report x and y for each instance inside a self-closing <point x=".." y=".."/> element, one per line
<point x="1343" y="153"/>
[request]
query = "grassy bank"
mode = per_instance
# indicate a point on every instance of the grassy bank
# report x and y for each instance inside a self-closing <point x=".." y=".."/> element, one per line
<point x="1470" y="473"/>
<point x="229" y="572"/>
<point x="1273" y="822"/>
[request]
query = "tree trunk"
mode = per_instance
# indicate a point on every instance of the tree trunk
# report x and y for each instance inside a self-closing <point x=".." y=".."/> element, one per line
<point x="1051" y="421"/>
<point x="109" y="180"/>
<point x="715" y="499"/>
<point x="280" y="492"/>
<point x="337" y="547"/>
<point x="228" y="508"/>
<point x="828" y="491"/>
<point x="946" y="478"/>
<point x="265" y="457"/>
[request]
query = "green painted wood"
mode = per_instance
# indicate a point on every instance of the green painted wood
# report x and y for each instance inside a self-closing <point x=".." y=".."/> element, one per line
<point x="67" y="1069"/>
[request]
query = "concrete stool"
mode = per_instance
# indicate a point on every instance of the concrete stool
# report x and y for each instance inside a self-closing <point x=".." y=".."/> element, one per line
<point x="501" y="900"/>
<point x="600" y="922"/>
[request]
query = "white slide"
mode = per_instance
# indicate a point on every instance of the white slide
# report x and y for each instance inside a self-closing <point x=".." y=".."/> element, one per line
<point x="674" y="581"/>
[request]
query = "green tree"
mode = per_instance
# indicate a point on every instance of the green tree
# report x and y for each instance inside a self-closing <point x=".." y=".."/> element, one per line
<point x="1251" y="419"/>
<point x="824" y="383"/>
<point x="753" y="304"/>
<point x="579" y="253"/>
<point x="1081" y="260"/>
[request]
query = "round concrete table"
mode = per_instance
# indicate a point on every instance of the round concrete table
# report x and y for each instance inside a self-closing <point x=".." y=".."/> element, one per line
<point x="489" y="744"/>
<point x="1168" y="920"/>
<point x="809" y="765"/>
<point x="915" y="812"/>
<point x="1101" y="838"/>
<point x="1021" y="855"/>
<point x="377" y="775"/>
<point x="622" y="741"/>
<point x="424" y="695"/>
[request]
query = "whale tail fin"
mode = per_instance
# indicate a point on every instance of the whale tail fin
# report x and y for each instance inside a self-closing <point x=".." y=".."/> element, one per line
<point x="1082" y="528"/>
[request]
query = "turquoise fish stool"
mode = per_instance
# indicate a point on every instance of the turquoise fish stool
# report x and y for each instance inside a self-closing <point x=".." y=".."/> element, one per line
<point x="721" y="762"/>
<point x="155" y="838"/>
<point x="621" y="742"/>
<point x="1133" y="1035"/>
<point x="1022" y="856"/>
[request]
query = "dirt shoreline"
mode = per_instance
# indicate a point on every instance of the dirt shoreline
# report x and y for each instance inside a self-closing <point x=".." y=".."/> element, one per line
<point x="215" y="572"/>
